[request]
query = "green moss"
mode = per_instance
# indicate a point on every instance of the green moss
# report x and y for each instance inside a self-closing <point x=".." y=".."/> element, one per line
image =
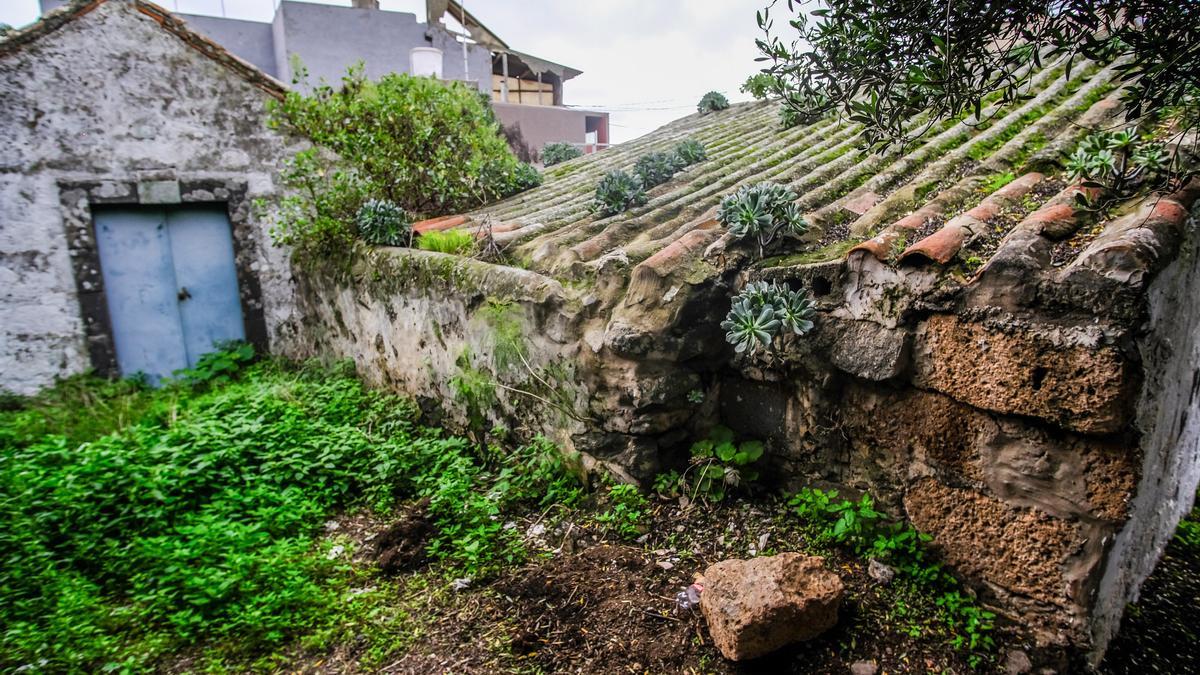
<point x="826" y="253"/>
<point x="509" y="346"/>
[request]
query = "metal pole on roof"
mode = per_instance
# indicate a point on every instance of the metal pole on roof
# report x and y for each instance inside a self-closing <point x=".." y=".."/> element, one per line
<point x="462" y="6"/>
<point x="504" y="82"/>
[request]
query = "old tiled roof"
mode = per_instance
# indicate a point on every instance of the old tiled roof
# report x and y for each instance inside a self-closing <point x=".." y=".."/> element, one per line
<point x="58" y="18"/>
<point x="968" y="195"/>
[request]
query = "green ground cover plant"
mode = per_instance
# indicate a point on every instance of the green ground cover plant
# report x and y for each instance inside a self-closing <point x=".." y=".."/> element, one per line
<point x="858" y="526"/>
<point x="627" y="508"/>
<point x="149" y="520"/>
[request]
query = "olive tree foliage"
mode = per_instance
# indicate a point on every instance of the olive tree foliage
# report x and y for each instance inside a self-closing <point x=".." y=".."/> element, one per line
<point x="883" y="63"/>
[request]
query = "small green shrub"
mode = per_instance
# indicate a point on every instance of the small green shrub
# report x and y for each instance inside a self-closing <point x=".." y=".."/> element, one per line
<point x="557" y="153"/>
<point x="382" y="223"/>
<point x="656" y="168"/>
<point x="619" y="191"/>
<point x="764" y="311"/>
<point x="760" y="85"/>
<point x="218" y="366"/>
<point x="525" y="177"/>
<point x="718" y="464"/>
<point x="429" y="147"/>
<point x="458" y="242"/>
<point x="690" y="151"/>
<point x="511" y="179"/>
<point x="712" y="102"/>
<point x="626" y="508"/>
<point x="762" y="212"/>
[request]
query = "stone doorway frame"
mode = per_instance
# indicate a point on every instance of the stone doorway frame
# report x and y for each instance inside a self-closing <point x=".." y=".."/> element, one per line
<point x="77" y="199"/>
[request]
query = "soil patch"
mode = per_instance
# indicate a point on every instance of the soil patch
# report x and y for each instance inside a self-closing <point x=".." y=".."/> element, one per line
<point x="602" y="610"/>
<point x="401" y="547"/>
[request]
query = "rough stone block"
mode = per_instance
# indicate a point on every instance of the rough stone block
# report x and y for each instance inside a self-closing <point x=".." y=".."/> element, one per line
<point x="1022" y="551"/>
<point x="756" y="606"/>
<point x="1066" y="376"/>
<point x="865" y="348"/>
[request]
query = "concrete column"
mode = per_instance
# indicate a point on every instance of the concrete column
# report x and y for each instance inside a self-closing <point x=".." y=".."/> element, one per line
<point x="504" y="82"/>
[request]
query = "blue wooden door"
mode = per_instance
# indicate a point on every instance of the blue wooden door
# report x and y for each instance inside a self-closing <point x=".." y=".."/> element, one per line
<point x="171" y="285"/>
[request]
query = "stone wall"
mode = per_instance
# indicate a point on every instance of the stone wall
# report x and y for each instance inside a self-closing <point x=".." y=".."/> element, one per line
<point x="1048" y="452"/>
<point x="95" y="104"/>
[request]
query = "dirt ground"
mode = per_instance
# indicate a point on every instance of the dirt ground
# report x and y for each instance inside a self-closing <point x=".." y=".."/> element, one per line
<point x="589" y="603"/>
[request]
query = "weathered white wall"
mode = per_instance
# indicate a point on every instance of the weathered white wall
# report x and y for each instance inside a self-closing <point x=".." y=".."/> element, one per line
<point x="111" y="95"/>
<point x="1169" y="421"/>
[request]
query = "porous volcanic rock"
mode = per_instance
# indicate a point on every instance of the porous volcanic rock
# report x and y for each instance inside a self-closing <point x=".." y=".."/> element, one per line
<point x="756" y="606"/>
<point x="1067" y="376"/>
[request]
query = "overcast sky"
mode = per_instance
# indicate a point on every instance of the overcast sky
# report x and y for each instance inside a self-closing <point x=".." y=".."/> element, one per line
<point x="646" y="61"/>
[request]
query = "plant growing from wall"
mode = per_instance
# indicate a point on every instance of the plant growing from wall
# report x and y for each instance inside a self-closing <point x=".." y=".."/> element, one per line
<point x="712" y="102"/>
<point x="619" y="191"/>
<point x="656" y="168"/>
<point x="458" y="242"/>
<point x="1118" y="162"/>
<point x="382" y="223"/>
<point x="765" y="311"/>
<point x="762" y="212"/>
<point x="557" y="153"/>
<point x="317" y="218"/>
<point x="690" y="151"/>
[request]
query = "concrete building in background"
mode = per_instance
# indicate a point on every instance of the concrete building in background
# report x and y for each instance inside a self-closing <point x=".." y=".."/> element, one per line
<point x="526" y="91"/>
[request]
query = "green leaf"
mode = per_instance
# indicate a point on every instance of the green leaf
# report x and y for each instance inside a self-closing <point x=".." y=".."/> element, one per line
<point x="752" y="450"/>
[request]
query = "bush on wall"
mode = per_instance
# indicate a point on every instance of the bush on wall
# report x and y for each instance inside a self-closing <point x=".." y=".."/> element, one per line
<point x="428" y="147"/>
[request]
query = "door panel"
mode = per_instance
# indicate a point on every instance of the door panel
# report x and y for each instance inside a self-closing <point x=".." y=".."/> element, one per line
<point x="171" y="285"/>
<point x="210" y="308"/>
<point x="139" y="285"/>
